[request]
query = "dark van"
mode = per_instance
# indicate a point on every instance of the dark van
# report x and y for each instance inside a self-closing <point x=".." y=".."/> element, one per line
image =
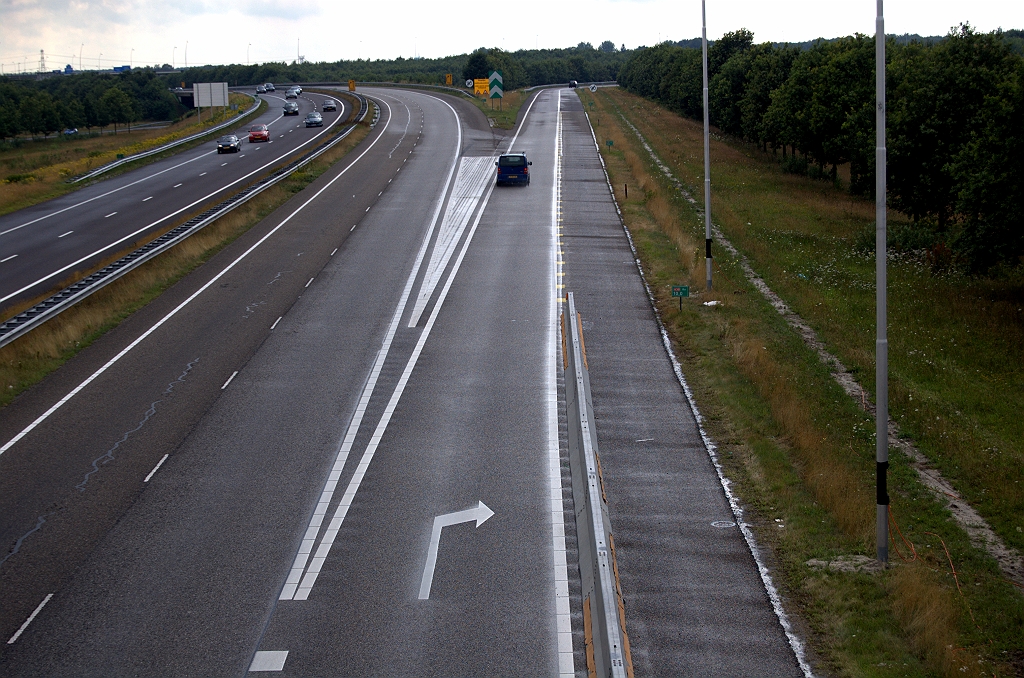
<point x="513" y="168"/>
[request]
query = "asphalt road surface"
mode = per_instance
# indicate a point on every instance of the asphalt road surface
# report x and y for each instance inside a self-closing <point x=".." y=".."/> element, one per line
<point x="42" y="246"/>
<point x="334" y="448"/>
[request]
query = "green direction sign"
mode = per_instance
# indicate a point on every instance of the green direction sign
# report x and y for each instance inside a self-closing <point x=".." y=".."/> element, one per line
<point x="680" y="290"/>
<point x="497" y="85"/>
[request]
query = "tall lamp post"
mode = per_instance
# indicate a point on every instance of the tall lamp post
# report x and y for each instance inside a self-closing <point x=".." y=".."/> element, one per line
<point x="247" y="53"/>
<point x="99" y="62"/>
<point x="174" y="63"/>
<point x="186" y="54"/>
<point x="707" y="148"/>
<point x="131" y="56"/>
<point x="881" y="318"/>
<point x="80" y="56"/>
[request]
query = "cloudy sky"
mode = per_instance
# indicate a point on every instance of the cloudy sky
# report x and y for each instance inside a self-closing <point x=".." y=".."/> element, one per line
<point x="147" y="32"/>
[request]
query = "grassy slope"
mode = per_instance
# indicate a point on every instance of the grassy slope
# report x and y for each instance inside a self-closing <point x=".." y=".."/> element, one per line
<point x="800" y="451"/>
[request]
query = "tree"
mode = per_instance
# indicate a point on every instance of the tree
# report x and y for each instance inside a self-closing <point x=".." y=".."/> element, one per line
<point x="118" y="106"/>
<point x="607" y="46"/>
<point x="477" y="65"/>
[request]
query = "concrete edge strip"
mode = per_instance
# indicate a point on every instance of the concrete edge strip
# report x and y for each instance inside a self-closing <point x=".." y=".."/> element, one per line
<point x="980" y="533"/>
<point x="166" y="147"/>
<point x="71" y="394"/>
<point x="772" y="592"/>
<point x="31" y="318"/>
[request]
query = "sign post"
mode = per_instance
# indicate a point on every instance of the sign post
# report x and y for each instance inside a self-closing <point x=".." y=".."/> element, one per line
<point x="351" y="85"/>
<point x="448" y="79"/>
<point x="480" y="86"/>
<point x="680" y="291"/>
<point x="496" y="86"/>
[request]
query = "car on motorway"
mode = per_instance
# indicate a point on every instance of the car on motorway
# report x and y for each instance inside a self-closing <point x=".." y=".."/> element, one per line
<point x="260" y="89"/>
<point x="513" y="168"/>
<point x="70" y="131"/>
<point x="229" y="144"/>
<point x="259" y="133"/>
<point x="270" y="87"/>
<point x="330" y="105"/>
<point x="297" y="89"/>
<point x="291" y="94"/>
<point x="314" y="119"/>
<point x="291" y="108"/>
<point x="573" y="84"/>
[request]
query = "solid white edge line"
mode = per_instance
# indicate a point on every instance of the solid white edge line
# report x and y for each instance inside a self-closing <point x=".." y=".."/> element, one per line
<point x="28" y="621"/>
<point x="233" y="375"/>
<point x="164" y="218"/>
<point x="315" y="522"/>
<point x="795" y="643"/>
<point x="104" y="195"/>
<point x="56" y="406"/>
<point x="157" y="467"/>
<point x="563" y="618"/>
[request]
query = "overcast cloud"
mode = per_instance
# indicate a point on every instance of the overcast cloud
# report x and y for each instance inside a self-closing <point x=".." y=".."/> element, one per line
<point x="147" y="32"/>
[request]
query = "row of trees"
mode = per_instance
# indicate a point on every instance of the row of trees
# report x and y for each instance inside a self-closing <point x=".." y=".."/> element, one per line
<point x="84" y="100"/>
<point x="955" y="115"/>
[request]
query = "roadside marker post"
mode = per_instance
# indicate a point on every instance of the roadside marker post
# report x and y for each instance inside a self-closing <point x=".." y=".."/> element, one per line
<point x="881" y="310"/>
<point x="681" y="291"/>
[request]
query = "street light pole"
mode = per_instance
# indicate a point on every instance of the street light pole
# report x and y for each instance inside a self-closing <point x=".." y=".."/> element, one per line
<point x="247" y="54"/>
<point x="881" y="319"/>
<point x="186" y="54"/>
<point x="174" y="63"/>
<point x="131" y="56"/>
<point x="80" y="56"/>
<point x="707" y="148"/>
<point x="99" y="62"/>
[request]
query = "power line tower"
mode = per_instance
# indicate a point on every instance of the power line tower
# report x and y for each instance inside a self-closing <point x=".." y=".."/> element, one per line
<point x="42" y="62"/>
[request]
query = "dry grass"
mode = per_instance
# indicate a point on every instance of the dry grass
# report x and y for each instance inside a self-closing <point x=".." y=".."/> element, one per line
<point x="28" y="359"/>
<point x="778" y="414"/>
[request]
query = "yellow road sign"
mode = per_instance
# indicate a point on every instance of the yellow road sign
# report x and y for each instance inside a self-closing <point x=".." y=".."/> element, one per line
<point x="481" y="86"/>
<point x="448" y="79"/>
<point x="351" y="85"/>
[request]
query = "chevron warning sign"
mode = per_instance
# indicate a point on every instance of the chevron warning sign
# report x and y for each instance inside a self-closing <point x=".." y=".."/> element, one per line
<point x="497" y="85"/>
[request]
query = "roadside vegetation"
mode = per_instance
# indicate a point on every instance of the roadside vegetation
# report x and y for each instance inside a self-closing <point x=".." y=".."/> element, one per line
<point x="954" y="110"/>
<point x="28" y="359"/>
<point x="799" y="450"/>
<point x="38" y="169"/>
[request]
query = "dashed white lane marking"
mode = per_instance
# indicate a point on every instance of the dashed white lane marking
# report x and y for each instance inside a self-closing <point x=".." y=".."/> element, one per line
<point x="563" y="622"/>
<point x="310" y="282"/>
<point x="223" y="163"/>
<point x="64" y="234"/>
<point x="103" y="195"/>
<point x="149" y="198"/>
<point x="275" y="322"/>
<point x="349" y="230"/>
<point x="336" y="249"/>
<point x="282" y="136"/>
<point x="203" y="174"/>
<point x="367" y="209"/>
<point x="28" y="621"/>
<point x="176" y="185"/>
<point x="242" y="156"/>
<point x="269" y="660"/>
<point x="110" y="215"/>
<point x="157" y="467"/>
<point x="8" y="258"/>
<point x="95" y="375"/>
<point x="233" y="375"/>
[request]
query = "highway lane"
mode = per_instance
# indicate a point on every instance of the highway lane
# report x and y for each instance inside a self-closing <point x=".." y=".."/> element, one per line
<point x="202" y="554"/>
<point x="44" y="245"/>
<point x="74" y="474"/>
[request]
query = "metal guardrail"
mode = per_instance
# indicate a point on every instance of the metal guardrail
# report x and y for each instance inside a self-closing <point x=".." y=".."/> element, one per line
<point x="28" y="320"/>
<point x="604" y="615"/>
<point x="160" y="149"/>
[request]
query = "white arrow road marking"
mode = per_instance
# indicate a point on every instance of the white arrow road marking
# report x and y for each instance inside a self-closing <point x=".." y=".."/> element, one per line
<point x="480" y="514"/>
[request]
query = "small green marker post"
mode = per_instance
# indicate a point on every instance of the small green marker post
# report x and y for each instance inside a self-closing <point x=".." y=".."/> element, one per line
<point x="680" y="291"/>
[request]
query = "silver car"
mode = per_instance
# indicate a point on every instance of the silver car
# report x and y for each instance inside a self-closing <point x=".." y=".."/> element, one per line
<point x="314" y="119"/>
<point x="330" y="105"/>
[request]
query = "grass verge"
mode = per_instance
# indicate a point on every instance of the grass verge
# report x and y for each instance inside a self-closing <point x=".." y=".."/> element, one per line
<point x="505" y="116"/>
<point x="800" y="452"/>
<point x="38" y="170"/>
<point x="28" y="359"/>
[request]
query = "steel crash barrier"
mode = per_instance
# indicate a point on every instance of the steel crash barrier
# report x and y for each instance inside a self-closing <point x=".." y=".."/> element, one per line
<point x="604" y="615"/>
<point x="28" y="320"/>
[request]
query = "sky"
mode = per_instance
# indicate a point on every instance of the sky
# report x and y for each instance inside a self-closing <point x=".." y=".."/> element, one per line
<point x="107" y="33"/>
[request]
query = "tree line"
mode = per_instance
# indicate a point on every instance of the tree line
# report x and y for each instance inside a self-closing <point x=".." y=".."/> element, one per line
<point x="84" y="100"/>
<point x="955" y="123"/>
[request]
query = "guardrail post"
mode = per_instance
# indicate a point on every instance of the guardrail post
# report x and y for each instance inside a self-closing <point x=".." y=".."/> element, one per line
<point x="604" y="616"/>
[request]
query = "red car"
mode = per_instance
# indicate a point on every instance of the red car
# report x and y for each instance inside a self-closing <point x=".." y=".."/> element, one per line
<point x="259" y="133"/>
